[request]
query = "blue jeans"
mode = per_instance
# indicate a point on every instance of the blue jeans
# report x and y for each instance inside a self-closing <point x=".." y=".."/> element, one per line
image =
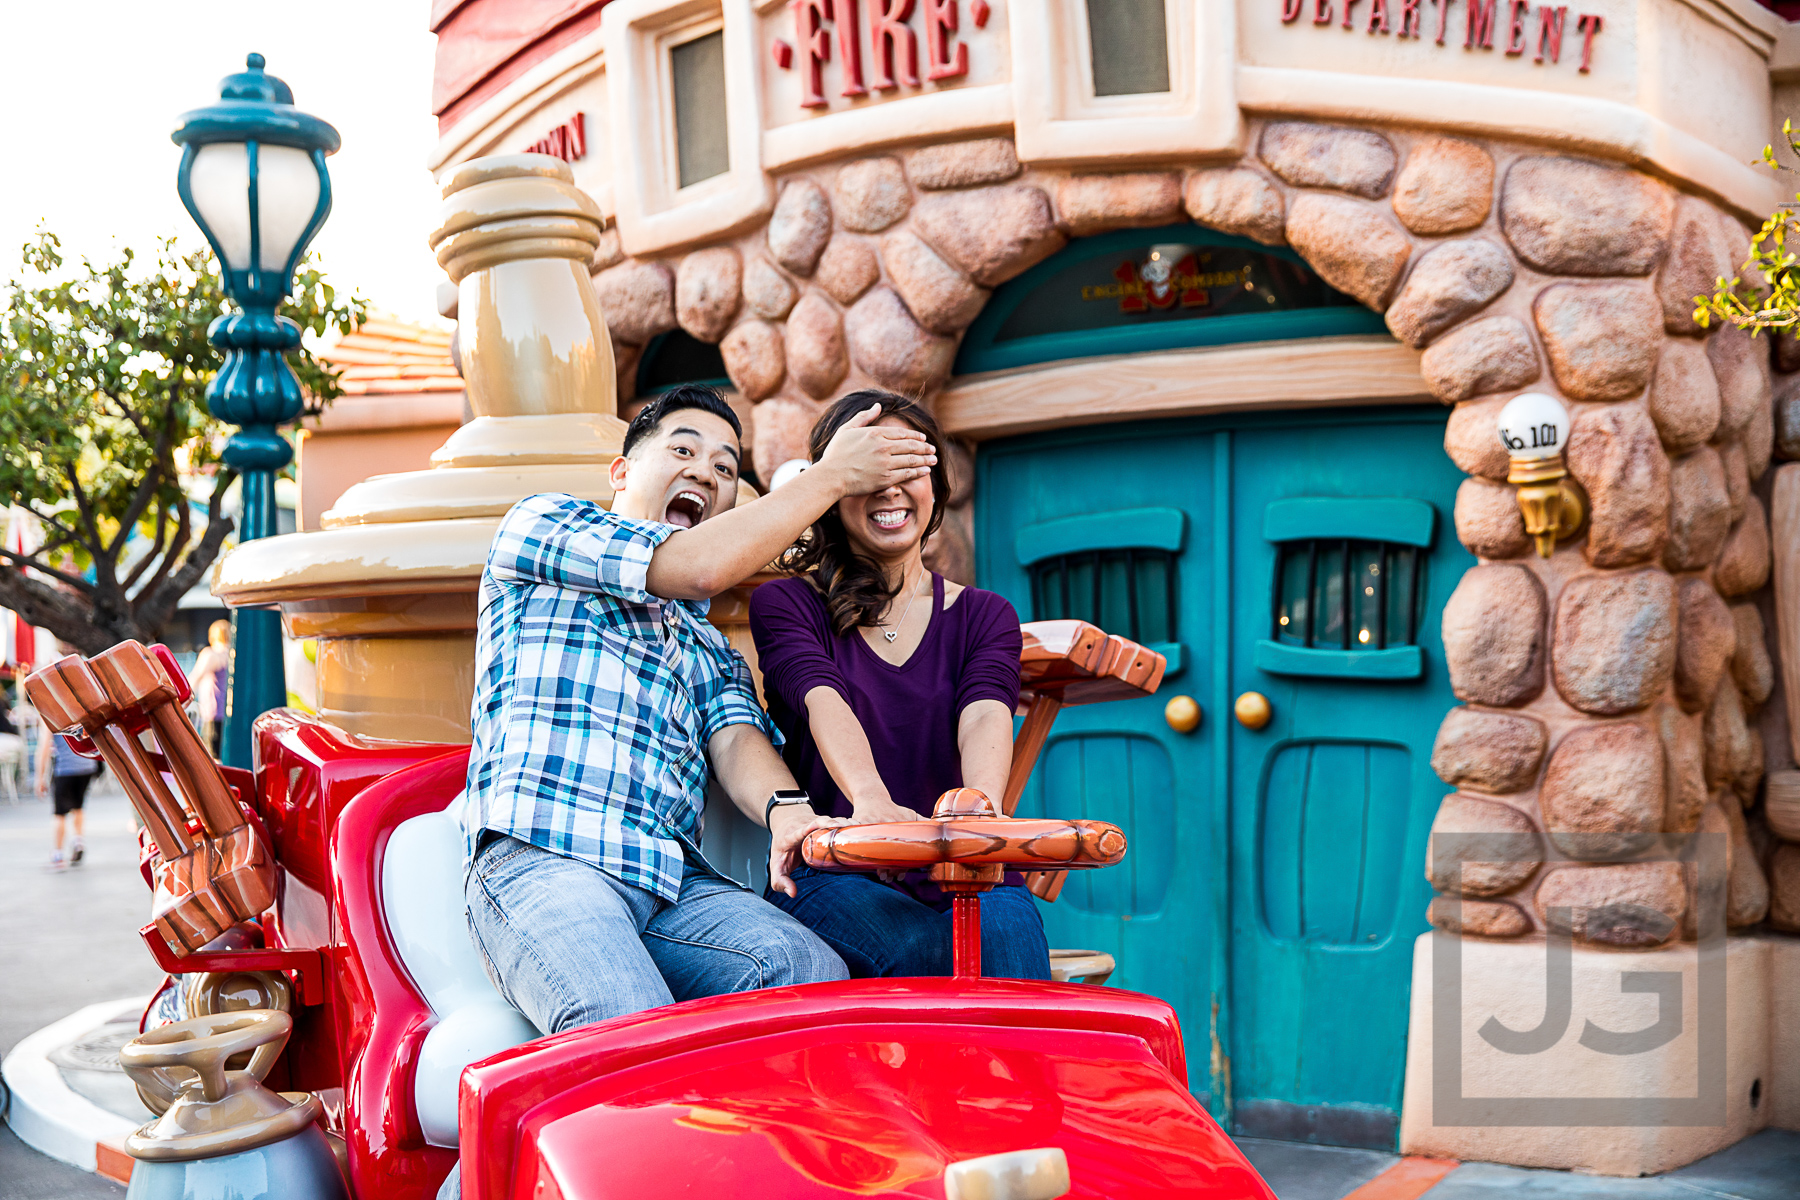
<point x="881" y="931"/>
<point x="567" y="944"/>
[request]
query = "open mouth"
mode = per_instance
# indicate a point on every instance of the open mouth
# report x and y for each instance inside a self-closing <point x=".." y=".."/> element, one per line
<point x="890" y="518"/>
<point x="686" y="510"/>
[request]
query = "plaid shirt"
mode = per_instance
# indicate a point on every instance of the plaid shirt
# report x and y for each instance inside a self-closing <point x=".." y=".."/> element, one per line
<point x="594" y="700"/>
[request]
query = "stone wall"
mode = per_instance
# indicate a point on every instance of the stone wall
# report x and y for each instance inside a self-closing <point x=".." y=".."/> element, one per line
<point x="1612" y="692"/>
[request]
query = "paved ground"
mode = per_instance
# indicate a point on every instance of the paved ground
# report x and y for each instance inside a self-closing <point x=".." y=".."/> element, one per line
<point x="70" y="938"/>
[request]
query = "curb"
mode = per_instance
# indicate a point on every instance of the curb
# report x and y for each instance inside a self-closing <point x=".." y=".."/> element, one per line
<point x="50" y="1116"/>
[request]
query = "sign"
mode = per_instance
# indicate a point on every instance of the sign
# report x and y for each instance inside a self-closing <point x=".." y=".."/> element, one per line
<point x="1483" y="20"/>
<point x="1161" y="281"/>
<point x="567" y="141"/>
<point x="893" y="44"/>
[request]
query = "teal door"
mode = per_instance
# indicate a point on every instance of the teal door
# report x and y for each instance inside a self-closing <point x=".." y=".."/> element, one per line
<point x="1275" y="879"/>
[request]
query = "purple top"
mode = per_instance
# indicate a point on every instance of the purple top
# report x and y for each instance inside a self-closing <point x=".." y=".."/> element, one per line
<point x="910" y="712"/>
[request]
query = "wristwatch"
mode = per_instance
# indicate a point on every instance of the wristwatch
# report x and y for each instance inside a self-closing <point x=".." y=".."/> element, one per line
<point x="783" y="798"/>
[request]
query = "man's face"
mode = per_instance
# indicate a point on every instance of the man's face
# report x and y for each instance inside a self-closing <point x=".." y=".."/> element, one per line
<point x="683" y="473"/>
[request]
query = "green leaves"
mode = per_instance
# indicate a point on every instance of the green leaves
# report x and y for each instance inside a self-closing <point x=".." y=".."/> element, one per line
<point x="1765" y="294"/>
<point x="105" y="431"/>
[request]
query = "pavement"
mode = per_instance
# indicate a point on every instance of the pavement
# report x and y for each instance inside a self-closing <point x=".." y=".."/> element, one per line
<point x="74" y="959"/>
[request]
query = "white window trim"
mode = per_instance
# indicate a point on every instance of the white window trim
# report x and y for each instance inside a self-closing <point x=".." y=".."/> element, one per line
<point x="654" y="214"/>
<point x="1058" y="119"/>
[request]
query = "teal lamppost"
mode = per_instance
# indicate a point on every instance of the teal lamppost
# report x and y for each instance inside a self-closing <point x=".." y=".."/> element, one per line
<point x="253" y="178"/>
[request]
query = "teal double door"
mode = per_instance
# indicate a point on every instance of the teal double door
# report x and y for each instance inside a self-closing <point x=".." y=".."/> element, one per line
<point x="1275" y="878"/>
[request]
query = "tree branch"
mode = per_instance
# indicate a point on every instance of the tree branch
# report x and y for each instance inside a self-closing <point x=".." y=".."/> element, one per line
<point x="26" y="560"/>
<point x="156" y="546"/>
<point x="48" y="608"/>
<point x="156" y="609"/>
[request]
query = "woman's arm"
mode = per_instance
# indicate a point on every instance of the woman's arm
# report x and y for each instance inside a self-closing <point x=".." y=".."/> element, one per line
<point x="845" y="748"/>
<point x="984" y="738"/>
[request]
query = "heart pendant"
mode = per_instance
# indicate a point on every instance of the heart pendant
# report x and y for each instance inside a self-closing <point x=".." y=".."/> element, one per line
<point x="894" y="636"/>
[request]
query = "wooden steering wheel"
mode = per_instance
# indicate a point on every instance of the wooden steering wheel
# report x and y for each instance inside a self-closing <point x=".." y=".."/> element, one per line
<point x="968" y="845"/>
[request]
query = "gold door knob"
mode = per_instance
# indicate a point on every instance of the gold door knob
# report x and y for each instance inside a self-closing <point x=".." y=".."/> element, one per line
<point x="1253" y="710"/>
<point x="1183" y="714"/>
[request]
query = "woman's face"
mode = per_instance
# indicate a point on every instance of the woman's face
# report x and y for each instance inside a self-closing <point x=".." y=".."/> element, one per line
<point x="889" y="524"/>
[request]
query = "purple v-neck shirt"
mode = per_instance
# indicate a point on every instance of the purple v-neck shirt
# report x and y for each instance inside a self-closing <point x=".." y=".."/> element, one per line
<point x="910" y="712"/>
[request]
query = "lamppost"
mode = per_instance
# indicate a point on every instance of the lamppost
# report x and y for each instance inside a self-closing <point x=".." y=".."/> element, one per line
<point x="253" y="178"/>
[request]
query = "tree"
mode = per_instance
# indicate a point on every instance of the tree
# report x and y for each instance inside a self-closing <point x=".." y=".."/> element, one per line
<point x="1765" y="294"/>
<point x="103" y="420"/>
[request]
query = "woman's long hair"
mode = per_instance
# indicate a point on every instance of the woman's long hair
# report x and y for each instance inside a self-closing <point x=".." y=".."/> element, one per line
<point x="854" y="587"/>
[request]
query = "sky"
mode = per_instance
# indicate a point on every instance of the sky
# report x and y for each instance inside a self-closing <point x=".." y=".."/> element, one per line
<point x="90" y="89"/>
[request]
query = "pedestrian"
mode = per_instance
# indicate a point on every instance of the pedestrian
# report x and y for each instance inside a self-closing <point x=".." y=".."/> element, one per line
<point x="66" y="775"/>
<point x="209" y="683"/>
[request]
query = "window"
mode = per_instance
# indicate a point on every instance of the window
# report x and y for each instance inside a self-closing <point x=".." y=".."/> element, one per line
<point x="1345" y="594"/>
<point x="698" y="68"/>
<point x="1130" y="592"/>
<point x="1129" y="41"/>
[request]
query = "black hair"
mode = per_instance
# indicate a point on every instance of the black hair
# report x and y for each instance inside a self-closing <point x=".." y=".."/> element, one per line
<point x="855" y="589"/>
<point x="681" y="396"/>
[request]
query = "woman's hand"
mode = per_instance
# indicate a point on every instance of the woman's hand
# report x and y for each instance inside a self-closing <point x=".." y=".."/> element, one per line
<point x="878" y="810"/>
<point x="788" y="826"/>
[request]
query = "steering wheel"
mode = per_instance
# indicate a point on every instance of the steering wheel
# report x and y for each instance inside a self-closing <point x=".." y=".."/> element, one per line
<point x="966" y="830"/>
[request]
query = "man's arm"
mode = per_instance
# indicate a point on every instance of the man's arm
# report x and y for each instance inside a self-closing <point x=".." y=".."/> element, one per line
<point x="719" y="553"/>
<point x="750" y="771"/>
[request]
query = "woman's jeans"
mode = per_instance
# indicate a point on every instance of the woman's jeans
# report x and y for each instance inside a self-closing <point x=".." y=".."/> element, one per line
<point x="881" y="931"/>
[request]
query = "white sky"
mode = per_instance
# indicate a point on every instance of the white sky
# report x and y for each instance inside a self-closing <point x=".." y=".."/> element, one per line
<point x="89" y="90"/>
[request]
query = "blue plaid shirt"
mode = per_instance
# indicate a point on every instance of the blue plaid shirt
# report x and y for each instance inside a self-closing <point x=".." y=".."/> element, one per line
<point x="594" y="700"/>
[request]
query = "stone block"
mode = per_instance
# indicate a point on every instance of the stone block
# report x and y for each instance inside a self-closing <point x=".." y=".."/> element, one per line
<point x="1569" y="217"/>
<point x="1446" y="186"/>
<point x="1684" y="395"/>
<point x="871" y="194"/>
<point x="1744" y="563"/>
<point x="1784" y="888"/>
<point x="1488" y="520"/>
<point x="1786" y="405"/>
<point x="848" y="268"/>
<point x="1352" y="246"/>
<point x="1741" y="364"/>
<point x="1329" y="156"/>
<point x="1481" y="847"/>
<point x="1493" y="354"/>
<point x="800" y="226"/>
<point x="1758" y="438"/>
<point x="1737" y="477"/>
<point x="768" y="293"/>
<point x="1613" y="650"/>
<point x="706" y="291"/>
<point x="1601" y="338"/>
<point x="1238" y="201"/>
<point x="892" y="348"/>
<point x="625" y="364"/>
<point x="939" y="295"/>
<point x="816" y="357"/>
<point x="1631" y="905"/>
<point x="1751" y="667"/>
<point x="1472" y="439"/>
<point x="992" y="233"/>
<point x="1490" y="751"/>
<point x="1699" y="510"/>
<point x="1449" y="283"/>
<point x="963" y="164"/>
<point x="609" y="253"/>
<point x="1708" y="636"/>
<point x="1684" y="762"/>
<point x="1090" y="204"/>
<point x="783" y="426"/>
<point x="1603" y="791"/>
<point x="1477" y="918"/>
<point x="638" y="300"/>
<point x="1493" y="629"/>
<point x="1746" y="888"/>
<point x="1615" y="454"/>
<point x="755" y="359"/>
<point x="1704" y="244"/>
<point x="1730" y="751"/>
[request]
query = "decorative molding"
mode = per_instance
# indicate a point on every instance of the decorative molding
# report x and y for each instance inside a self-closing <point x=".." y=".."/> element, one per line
<point x="1267" y="375"/>
<point x="944" y="116"/>
<point x="569" y="67"/>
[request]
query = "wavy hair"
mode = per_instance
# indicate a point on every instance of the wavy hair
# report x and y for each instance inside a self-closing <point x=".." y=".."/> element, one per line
<point x="854" y="587"/>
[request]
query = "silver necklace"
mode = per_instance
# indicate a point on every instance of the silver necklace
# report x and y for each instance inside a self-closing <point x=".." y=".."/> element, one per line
<point x="893" y="635"/>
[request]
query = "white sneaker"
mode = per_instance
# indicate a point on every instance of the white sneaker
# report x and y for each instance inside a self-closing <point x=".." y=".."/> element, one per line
<point x="56" y="860"/>
<point x="76" y="851"/>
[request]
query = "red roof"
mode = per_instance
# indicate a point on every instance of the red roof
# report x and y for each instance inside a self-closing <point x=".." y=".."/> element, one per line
<point x="387" y="357"/>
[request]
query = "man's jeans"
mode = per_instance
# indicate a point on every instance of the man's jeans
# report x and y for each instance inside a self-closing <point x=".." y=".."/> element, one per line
<point x="568" y="945"/>
<point x="881" y="931"/>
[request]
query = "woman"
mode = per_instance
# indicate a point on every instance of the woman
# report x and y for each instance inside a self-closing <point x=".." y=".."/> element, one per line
<point x="892" y="685"/>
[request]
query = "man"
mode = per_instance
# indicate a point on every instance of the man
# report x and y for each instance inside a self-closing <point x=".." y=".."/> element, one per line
<point x="603" y="698"/>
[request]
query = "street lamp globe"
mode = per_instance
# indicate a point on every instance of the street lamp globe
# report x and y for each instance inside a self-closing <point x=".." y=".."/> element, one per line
<point x="253" y="178"/>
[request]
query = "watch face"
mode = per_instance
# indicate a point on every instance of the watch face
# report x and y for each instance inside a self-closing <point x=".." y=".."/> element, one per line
<point x="791" y="794"/>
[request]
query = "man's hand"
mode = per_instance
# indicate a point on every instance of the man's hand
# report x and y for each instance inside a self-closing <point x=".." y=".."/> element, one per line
<point x="788" y="826"/>
<point x="867" y="458"/>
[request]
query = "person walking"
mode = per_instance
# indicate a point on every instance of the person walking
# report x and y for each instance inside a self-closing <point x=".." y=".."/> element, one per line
<point x="210" y="671"/>
<point x="66" y="775"/>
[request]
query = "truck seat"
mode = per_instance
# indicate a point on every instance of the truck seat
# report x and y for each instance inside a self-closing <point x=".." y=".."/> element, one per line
<point x="422" y="893"/>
